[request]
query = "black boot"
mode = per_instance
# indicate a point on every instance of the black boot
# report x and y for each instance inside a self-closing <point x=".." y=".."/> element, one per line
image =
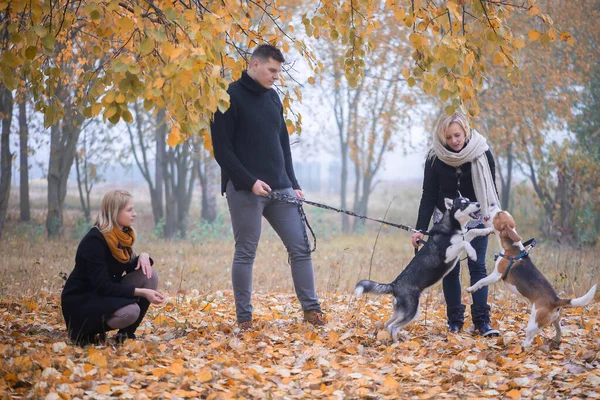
<point x="456" y="318"/>
<point x="129" y="332"/>
<point x="481" y="320"/>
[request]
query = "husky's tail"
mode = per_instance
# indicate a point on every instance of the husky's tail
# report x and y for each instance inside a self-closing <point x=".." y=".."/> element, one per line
<point x="366" y="286"/>
<point x="580" y="301"/>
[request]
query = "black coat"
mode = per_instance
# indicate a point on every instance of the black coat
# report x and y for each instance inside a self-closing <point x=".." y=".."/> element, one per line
<point x="93" y="291"/>
<point x="442" y="181"/>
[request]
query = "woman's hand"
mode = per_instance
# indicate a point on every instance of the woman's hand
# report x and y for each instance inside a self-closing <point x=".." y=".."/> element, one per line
<point x="299" y="193"/>
<point x="144" y="264"/>
<point x="151" y="295"/>
<point x="415" y="239"/>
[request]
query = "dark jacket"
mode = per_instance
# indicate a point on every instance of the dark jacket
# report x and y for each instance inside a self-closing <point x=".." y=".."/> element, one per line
<point x="250" y="140"/>
<point x="93" y="291"/>
<point x="443" y="181"/>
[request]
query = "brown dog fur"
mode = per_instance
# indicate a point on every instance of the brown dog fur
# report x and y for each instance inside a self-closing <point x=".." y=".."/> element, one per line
<point x="526" y="280"/>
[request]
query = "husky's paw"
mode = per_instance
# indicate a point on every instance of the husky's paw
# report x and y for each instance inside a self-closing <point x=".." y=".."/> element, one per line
<point x="471" y="253"/>
<point x="470" y="289"/>
<point x="488" y="231"/>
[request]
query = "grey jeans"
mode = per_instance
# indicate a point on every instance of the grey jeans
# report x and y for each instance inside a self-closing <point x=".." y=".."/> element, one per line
<point x="246" y="210"/>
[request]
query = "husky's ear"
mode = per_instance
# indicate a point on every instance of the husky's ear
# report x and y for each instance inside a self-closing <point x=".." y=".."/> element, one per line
<point x="448" y="203"/>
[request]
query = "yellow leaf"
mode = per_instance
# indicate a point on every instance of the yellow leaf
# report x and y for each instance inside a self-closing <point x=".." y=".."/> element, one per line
<point x="311" y="80"/>
<point x="334" y="337"/>
<point x="514" y="394"/>
<point x="31" y="306"/>
<point x="533" y="35"/>
<point x="146" y="46"/>
<point x="518" y="43"/>
<point x="498" y="59"/>
<point x="103" y="389"/>
<point x="96" y="358"/>
<point x="127" y="117"/>
<point x="159" y="372"/>
<point x="391" y="383"/>
<point x="31" y="52"/>
<point x="204" y="376"/>
<point x="173" y="140"/>
<point x="110" y="112"/>
<point x="96" y="108"/>
<point x="161" y="319"/>
<point x="177" y="368"/>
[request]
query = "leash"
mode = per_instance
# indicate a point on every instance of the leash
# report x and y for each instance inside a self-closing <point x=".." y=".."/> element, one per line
<point x="530" y="244"/>
<point x="299" y="202"/>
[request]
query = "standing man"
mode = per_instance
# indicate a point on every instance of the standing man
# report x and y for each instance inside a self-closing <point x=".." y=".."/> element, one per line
<point x="251" y="145"/>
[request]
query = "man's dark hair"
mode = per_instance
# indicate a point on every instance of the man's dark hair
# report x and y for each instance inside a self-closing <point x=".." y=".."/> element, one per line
<point x="265" y="51"/>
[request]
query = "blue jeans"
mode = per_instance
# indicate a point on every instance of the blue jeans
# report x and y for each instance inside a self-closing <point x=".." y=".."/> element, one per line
<point x="480" y="310"/>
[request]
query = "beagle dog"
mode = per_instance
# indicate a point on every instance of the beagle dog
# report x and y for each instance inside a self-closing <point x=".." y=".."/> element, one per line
<point x="521" y="277"/>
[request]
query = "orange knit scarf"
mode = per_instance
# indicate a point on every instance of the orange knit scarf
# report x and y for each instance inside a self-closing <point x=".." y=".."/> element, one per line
<point x="120" y="243"/>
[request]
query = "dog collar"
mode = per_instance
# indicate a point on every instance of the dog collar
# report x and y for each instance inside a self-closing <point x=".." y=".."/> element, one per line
<point x="530" y="244"/>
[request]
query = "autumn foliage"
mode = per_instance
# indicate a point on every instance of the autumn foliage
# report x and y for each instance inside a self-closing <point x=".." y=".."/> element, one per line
<point x="181" y="55"/>
<point x="190" y="350"/>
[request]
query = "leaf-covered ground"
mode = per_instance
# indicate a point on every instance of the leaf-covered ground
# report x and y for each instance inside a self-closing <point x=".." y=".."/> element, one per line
<point x="188" y="348"/>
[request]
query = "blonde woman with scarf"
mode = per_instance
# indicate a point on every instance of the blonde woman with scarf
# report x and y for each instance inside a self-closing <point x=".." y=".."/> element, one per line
<point x="110" y="287"/>
<point x="460" y="160"/>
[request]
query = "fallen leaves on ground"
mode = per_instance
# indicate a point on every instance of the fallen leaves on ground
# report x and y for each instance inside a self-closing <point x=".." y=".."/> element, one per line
<point x="190" y="348"/>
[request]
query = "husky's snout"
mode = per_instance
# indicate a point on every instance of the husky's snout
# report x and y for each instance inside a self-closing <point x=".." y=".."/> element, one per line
<point x="477" y="212"/>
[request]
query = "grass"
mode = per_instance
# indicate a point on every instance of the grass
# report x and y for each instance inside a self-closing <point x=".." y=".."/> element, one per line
<point x="31" y="263"/>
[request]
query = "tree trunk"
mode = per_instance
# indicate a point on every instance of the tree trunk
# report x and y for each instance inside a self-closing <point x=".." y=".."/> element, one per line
<point x="362" y="207"/>
<point x="170" y="175"/>
<point x="344" y="185"/>
<point x="24" y="162"/>
<point x="159" y="181"/>
<point x="81" y="184"/>
<point x="208" y="173"/>
<point x="506" y="183"/>
<point x="563" y="197"/>
<point x="63" y="144"/>
<point x="357" y="224"/>
<point x="6" y="111"/>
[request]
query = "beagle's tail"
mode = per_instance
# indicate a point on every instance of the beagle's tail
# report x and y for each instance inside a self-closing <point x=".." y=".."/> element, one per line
<point x="366" y="286"/>
<point x="580" y="301"/>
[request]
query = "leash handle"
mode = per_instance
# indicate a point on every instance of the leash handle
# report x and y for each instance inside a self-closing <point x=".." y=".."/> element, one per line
<point x="420" y="242"/>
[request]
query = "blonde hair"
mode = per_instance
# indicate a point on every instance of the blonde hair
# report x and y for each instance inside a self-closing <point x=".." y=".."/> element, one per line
<point x="442" y="126"/>
<point x="112" y="203"/>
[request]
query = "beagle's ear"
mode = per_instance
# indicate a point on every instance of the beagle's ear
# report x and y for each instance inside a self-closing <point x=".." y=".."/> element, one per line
<point x="512" y="234"/>
<point x="448" y="203"/>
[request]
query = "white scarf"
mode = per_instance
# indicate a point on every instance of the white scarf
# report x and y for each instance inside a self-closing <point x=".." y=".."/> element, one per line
<point x="473" y="152"/>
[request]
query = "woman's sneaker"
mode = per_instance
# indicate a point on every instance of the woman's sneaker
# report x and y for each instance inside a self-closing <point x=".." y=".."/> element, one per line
<point x="454" y="327"/>
<point x="486" y="330"/>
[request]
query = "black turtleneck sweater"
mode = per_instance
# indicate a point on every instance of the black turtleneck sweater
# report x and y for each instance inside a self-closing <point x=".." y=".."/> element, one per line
<point x="250" y="140"/>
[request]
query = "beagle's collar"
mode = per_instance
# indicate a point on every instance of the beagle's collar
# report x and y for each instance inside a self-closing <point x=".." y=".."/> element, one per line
<point x="530" y="244"/>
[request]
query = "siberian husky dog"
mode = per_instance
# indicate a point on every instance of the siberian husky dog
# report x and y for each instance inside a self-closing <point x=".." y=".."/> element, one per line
<point x="447" y="240"/>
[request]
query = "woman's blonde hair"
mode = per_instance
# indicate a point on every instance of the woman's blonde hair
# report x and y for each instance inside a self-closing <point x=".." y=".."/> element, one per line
<point x="112" y="202"/>
<point x="444" y="123"/>
<point x="442" y="126"/>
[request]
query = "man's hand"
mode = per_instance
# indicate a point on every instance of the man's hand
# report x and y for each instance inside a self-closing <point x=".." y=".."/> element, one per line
<point x="299" y="193"/>
<point x="260" y="188"/>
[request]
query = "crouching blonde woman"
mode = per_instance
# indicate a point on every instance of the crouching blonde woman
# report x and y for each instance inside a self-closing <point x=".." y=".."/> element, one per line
<point x="110" y="287"/>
